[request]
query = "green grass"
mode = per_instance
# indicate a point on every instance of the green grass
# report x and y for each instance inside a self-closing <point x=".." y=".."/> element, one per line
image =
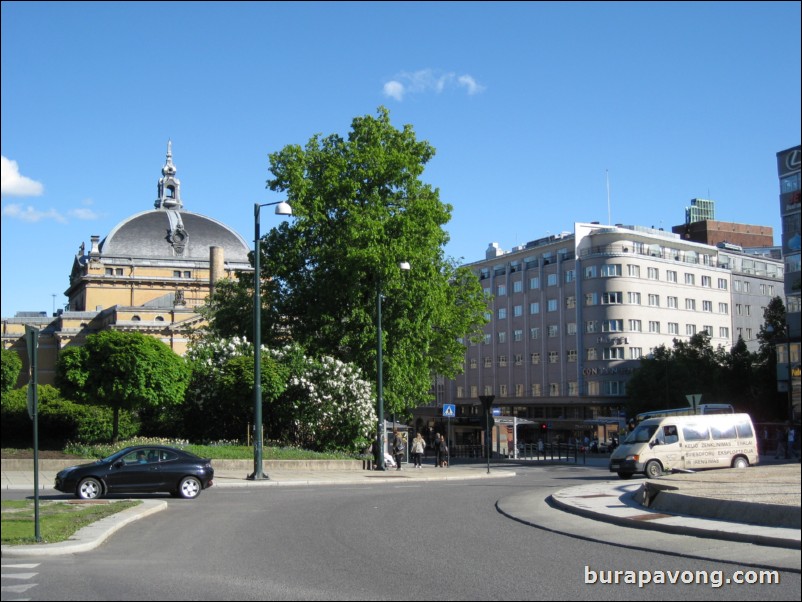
<point x="58" y="520"/>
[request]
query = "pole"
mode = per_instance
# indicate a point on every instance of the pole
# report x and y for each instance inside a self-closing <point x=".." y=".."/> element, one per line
<point x="379" y="376"/>
<point x="258" y="474"/>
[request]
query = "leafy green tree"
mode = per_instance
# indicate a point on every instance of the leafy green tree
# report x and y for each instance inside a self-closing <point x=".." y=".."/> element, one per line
<point x="122" y="370"/>
<point x="360" y="208"/>
<point x="11" y="367"/>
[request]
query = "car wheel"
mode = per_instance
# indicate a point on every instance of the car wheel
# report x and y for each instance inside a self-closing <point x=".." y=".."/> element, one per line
<point x="89" y="489"/>
<point x="653" y="469"/>
<point x="740" y="462"/>
<point x="189" y="488"/>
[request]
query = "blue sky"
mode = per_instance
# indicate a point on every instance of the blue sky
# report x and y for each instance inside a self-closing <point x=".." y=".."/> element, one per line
<point x="529" y="105"/>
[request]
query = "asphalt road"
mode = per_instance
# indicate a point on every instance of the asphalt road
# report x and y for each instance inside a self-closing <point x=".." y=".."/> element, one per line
<point x="428" y="541"/>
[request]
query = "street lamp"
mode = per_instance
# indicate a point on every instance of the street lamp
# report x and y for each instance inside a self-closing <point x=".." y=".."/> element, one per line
<point x="282" y="208"/>
<point x="404" y="267"/>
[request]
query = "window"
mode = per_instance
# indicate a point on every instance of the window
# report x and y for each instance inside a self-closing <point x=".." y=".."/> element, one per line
<point x="611" y="269"/>
<point x="673" y="328"/>
<point x="570" y="328"/>
<point x="474" y="391"/>
<point x="570" y="276"/>
<point x="707" y="281"/>
<point x="672" y="302"/>
<point x="554" y="330"/>
<point x="551" y="280"/>
<point x="502" y="313"/>
<point x="723" y="308"/>
<point x="671" y="276"/>
<point x="570" y="302"/>
<point x="461" y="392"/>
<point x="590" y="326"/>
<point x="591" y="298"/>
<point x="653" y="274"/>
<point x="635" y="326"/>
<point x="708" y="329"/>
<point x="534" y="308"/>
<point x="571" y="355"/>
<point x="534" y="333"/>
<point x="518" y="311"/>
<point x="612" y="326"/>
<point x="502" y="337"/>
<point x="176" y="273"/>
<point x="707" y="306"/>
<point x="633" y="298"/>
<point x="119" y="272"/>
<point x="635" y="353"/>
<point x="519" y="359"/>
<point x="536" y="390"/>
<point x="554" y="357"/>
<point x="502" y="361"/>
<point x="534" y="283"/>
<point x="613" y="353"/>
<point x="612" y="298"/>
<point x="518" y="335"/>
<point x="590" y="272"/>
<point x="724" y="332"/>
<point x="722" y="284"/>
<point x="690" y="279"/>
<point x="488" y="362"/>
<point x="501" y="290"/>
<point x="654" y="300"/>
<point x="554" y="389"/>
<point x="518" y="286"/>
<point x="654" y="326"/>
<point x="109" y="272"/>
<point x="690" y="329"/>
<point x="690" y="304"/>
<point x="633" y="270"/>
<point x="474" y="363"/>
<point x="573" y="388"/>
<point x="488" y="339"/>
<point x="593" y="387"/>
<point x="591" y="354"/>
<point x="519" y="390"/>
<point x="534" y="358"/>
<point x="552" y="305"/>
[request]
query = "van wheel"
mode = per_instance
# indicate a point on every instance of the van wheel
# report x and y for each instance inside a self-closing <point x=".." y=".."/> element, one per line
<point x="653" y="469"/>
<point x="740" y="462"/>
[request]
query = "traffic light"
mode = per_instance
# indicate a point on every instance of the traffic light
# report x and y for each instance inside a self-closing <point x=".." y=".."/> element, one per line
<point x="544" y="427"/>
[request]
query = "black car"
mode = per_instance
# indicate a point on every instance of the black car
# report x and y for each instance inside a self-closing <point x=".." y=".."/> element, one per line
<point x="139" y="469"/>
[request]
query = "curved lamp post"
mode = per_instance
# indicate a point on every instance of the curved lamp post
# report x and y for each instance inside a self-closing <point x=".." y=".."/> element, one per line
<point x="282" y="208"/>
<point x="404" y="267"/>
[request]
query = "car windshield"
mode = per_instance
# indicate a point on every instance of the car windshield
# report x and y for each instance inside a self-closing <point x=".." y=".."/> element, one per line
<point x="642" y="434"/>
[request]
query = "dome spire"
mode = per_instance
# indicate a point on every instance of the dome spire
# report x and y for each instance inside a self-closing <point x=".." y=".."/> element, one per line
<point x="169" y="187"/>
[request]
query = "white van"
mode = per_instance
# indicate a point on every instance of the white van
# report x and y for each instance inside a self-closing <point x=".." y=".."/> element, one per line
<point x="663" y="444"/>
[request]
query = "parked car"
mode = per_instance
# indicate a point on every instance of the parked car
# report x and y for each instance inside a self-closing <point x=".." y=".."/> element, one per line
<point x="139" y="469"/>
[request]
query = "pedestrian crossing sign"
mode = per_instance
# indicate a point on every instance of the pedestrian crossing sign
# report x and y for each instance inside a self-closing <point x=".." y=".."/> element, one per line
<point x="449" y="410"/>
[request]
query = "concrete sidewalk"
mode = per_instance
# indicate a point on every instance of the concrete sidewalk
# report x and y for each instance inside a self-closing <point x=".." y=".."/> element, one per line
<point x="595" y="511"/>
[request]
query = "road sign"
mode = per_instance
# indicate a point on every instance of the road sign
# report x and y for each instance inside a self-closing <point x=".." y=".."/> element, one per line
<point x="449" y="410"/>
<point x="693" y="400"/>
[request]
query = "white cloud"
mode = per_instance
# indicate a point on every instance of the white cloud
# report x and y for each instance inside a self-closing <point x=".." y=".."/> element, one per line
<point x="394" y="89"/>
<point x="429" y="80"/>
<point x="31" y="214"/>
<point x="83" y="213"/>
<point x="468" y="82"/>
<point x="15" y="184"/>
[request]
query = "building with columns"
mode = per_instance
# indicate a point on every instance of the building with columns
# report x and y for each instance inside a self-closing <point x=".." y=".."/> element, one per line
<point x="149" y="274"/>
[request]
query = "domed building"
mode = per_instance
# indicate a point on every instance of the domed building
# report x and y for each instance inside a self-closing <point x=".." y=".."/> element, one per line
<point x="149" y="274"/>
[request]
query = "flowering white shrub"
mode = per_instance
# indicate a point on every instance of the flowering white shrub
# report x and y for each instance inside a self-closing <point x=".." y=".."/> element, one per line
<point x="325" y="405"/>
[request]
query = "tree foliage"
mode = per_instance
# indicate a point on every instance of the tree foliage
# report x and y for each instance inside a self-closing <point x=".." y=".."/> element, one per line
<point x="123" y="371"/>
<point x="360" y="208"/>
<point x="11" y="367"/>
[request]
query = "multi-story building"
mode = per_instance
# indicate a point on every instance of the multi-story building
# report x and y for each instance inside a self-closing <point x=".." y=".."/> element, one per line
<point x="149" y="274"/>
<point x="788" y="352"/>
<point x="572" y="314"/>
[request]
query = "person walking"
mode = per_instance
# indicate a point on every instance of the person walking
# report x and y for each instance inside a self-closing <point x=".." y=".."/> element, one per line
<point x="418" y="446"/>
<point x="398" y="448"/>
<point x="436" y="447"/>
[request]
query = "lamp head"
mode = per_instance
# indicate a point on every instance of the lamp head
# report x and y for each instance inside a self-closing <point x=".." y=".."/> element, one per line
<point x="283" y="208"/>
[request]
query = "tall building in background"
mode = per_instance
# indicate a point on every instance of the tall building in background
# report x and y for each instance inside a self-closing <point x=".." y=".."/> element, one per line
<point x="788" y="353"/>
<point x="571" y="315"/>
<point x="700" y="210"/>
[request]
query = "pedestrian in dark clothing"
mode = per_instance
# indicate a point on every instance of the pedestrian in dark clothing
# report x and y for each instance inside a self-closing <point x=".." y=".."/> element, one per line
<point x="436" y="447"/>
<point x="398" y="448"/>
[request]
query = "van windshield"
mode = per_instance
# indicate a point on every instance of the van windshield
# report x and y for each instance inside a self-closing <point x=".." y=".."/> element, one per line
<point x="642" y="434"/>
